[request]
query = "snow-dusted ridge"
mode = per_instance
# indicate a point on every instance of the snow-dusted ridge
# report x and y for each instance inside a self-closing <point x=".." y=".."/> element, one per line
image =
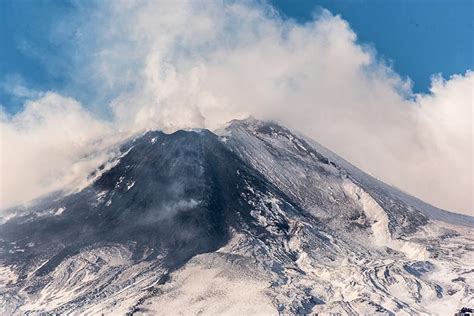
<point x="254" y="220"/>
<point x="369" y="181"/>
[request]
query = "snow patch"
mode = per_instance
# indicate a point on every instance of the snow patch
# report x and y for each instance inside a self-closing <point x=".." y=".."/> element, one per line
<point x="130" y="185"/>
<point x="119" y="182"/>
<point x="379" y="223"/>
<point x="7" y="275"/>
<point x="101" y="195"/>
<point x="208" y="285"/>
<point x="59" y="211"/>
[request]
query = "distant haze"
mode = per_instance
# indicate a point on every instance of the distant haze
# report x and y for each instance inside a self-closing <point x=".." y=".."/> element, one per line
<point x="176" y="65"/>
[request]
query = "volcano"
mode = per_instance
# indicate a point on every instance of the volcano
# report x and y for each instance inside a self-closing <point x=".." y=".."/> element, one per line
<point x="250" y="219"/>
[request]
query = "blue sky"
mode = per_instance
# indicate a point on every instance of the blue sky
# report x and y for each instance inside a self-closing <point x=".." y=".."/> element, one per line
<point x="418" y="38"/>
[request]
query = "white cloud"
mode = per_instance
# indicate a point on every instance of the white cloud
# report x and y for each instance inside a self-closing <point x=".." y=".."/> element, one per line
<point x="15" y="86"/>
<point x="49" y="146"/>
<point x="198" y="64"/>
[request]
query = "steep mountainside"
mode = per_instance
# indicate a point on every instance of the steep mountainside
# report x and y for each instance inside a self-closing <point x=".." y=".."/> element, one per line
<point x="253" y="220"/>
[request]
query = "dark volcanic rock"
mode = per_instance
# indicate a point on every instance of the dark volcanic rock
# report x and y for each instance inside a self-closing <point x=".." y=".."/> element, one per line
<point x="172" y="195"/>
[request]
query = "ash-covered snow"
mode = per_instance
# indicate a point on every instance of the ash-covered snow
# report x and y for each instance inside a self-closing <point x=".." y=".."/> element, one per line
<point x="256" y="221"/>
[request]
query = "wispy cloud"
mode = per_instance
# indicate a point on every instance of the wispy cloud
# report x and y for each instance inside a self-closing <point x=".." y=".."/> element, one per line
<point x="198" y="64"/>
<point x="15" y="86"/>
<point x="53" y="144"/>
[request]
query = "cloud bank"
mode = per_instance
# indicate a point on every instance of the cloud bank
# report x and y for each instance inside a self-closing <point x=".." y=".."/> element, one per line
<point x="179" y="64"/>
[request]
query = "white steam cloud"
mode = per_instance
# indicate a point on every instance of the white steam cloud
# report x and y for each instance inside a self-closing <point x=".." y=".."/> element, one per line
<point x="180" y="64"/>
<point x="53" y="144"/>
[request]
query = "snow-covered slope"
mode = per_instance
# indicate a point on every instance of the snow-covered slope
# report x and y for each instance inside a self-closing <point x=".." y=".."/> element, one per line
<point x="254" y="220"/>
